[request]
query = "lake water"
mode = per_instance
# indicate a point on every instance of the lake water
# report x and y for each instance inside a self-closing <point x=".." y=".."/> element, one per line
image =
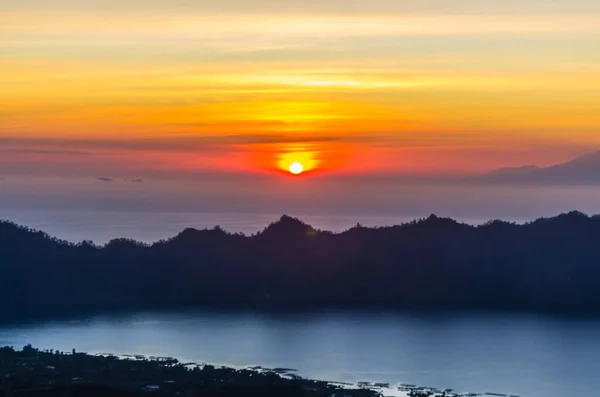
<point x="525" y="355"/>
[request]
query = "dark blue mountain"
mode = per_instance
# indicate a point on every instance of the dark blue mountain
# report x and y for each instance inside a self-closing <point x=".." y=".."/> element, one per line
<point x="551" y="264"/>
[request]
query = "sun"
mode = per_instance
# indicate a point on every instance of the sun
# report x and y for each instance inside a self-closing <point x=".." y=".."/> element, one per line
<point x="296" y="168"/>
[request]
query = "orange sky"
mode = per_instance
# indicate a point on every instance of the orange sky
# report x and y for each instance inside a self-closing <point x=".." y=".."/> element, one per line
<point x="190" y="87"/>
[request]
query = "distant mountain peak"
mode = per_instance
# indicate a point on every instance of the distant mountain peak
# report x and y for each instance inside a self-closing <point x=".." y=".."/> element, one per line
<point x="590" y="158"/>
<point x="584" y="170"/>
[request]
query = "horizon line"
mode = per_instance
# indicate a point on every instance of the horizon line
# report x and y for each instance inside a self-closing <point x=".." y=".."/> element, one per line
<point x="284" y="217"/>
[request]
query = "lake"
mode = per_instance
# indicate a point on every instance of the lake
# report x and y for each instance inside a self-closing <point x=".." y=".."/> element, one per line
<point x="525" y="355"/>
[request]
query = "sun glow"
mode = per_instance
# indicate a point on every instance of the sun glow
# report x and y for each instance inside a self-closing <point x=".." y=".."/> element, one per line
<point x="298" y="158"/>
<point x="296" y="168"/>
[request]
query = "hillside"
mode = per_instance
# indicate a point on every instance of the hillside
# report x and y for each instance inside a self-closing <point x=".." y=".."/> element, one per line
<point x="435" y="263"/>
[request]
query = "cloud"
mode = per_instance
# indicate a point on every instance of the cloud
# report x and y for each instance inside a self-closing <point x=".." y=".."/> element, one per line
<point x="45" y="151"/>
<point x="104" y="179"/>
<point x="137" y="180"/>
<point x="184" y="26"/>
<point x="205" y="143"/>
<point x="306" y="6"/>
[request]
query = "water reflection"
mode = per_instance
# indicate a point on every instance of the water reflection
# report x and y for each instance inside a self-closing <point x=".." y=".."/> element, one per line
<point x="523" y="355"/>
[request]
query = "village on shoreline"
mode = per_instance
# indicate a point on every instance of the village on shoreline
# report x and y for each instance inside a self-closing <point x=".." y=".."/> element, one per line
<point x="32" y="372"/>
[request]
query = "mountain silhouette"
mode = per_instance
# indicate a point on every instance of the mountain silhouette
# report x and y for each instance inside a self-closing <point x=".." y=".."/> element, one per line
<point x="582" y="170"/>
<point x="288" y="227"/>
<point x="551" y="264"/>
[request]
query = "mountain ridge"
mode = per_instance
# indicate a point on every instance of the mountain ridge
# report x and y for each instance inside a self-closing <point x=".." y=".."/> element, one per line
<point x="290" y="225"/>
<point x="584" y="169"/>
<point x="549" y="264"/>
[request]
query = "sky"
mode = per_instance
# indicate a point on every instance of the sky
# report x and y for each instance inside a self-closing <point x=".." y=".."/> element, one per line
<point x="101" y="98"/>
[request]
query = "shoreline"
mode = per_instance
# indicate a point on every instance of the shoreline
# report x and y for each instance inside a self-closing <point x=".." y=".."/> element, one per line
<point x="47" y="371"/>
